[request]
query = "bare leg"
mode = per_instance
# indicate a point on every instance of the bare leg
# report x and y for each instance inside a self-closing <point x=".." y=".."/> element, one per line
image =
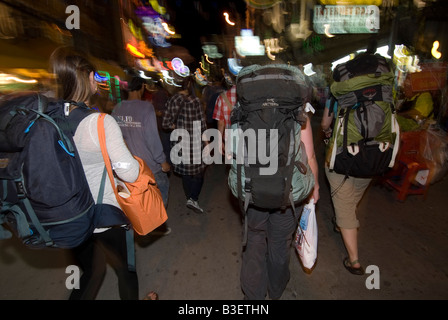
<point x="350" y="237"/>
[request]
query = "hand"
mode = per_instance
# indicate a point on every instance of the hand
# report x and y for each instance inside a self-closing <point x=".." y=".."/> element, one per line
<point x="166" y="167"/>
<point x="327" y="132"/>
<point x="315" y="194"/>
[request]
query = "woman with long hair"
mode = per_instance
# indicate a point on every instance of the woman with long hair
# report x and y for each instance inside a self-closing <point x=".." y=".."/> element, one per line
<point x="75" y="76"/>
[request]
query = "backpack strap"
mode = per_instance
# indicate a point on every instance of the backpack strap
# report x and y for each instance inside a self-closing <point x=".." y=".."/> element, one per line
<point x="396" y="130"/>
<point x="130" y="248"/>
<point x="226" y="99"/>
<point x="77" y="115"/>
<point x="247" y="194"/>
<point x="63" y="141"/>
<point x="290" y="166"/>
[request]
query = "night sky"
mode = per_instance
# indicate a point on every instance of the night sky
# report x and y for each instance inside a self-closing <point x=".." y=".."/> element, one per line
<point x="194" y="21"/>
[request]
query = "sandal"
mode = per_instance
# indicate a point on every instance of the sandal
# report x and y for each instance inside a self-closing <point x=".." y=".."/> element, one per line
<point x="349" y="266"/>
<point x="151" y="296"/>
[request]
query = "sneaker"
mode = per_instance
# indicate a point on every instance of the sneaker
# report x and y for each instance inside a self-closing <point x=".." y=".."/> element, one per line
<point x="192" y="204"/>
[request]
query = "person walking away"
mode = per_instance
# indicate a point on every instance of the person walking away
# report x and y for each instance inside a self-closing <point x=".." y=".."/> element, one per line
<point x="223" y="108"/>
<point x="183" y="111"/>
<point x="346" y="195"/>
<point x="347" y="189"/>
<point x="138" y="123"/>
<point x="269" y="228"/>
<point x="75" y="78"/>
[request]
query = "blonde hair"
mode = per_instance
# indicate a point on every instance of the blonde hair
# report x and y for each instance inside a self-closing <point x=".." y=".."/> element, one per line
<point x="72" y="70"/>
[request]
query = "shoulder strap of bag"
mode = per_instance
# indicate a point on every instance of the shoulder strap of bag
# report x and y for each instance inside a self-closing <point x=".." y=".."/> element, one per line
<point x="102" y="139"/>
<point x="226" y="99"/>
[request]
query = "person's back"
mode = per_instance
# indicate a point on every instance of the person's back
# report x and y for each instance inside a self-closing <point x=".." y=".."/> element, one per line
<point x="75" y="77"/>
<point x="138" y="124"/>
<point x="184" y="112"/>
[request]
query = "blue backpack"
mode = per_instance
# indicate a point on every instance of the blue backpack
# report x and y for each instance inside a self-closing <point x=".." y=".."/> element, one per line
<point x="45" y="199"/>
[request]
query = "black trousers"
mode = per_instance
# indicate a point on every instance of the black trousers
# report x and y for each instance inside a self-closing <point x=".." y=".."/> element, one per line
<point x="93" y="256"/>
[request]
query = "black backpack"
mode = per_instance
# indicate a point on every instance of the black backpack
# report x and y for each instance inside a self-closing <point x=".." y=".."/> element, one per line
<point x="45" y="197"/>
<point x="270" y="99"/>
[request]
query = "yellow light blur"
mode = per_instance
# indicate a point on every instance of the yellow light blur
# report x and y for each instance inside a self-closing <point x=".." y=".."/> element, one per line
<point x="228" y="19"/>
<point x="327" y="32"/>
<point x="7" y="78"/>
<point x="202" y="66"/>
<point x="206" y="58"/>
<point x="269" y="54"/>
<point x="167" y="29"/>
<point x="436" y="54"/>
<point x="133" y="50"/>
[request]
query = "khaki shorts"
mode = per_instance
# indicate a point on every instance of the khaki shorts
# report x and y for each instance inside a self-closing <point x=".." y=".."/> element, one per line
<point x="346" y="198"/>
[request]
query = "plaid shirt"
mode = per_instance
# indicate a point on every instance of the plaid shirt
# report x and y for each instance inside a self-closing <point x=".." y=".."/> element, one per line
<point x="185" y="112"/>
<point x="222" y="110"/>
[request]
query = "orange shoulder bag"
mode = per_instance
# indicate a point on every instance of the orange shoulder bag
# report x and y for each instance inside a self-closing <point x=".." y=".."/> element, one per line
<point x="141" y="200"/>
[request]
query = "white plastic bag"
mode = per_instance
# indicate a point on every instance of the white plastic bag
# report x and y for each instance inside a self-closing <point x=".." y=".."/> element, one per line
<point x="306" y="237"/>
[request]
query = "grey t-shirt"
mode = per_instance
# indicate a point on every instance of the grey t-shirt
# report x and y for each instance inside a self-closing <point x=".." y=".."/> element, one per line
<point x="138" y="123"/>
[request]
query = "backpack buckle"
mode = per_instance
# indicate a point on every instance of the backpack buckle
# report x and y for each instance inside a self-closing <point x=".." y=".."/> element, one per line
<point x="247" y="185"/>
<point x="20" y="190"/>
<point x="353" y="149"/>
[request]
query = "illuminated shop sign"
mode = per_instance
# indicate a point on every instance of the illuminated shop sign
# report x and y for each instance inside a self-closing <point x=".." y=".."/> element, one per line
<point x="157" y="31"/>
<point x="248" y="45"/>
<point x="352" y="2"/>
<point x="331" y="20"/>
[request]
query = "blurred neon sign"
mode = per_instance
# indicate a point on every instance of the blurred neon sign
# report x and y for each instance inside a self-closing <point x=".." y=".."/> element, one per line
<point x="332" y="20"/>
<point x="352" y="2"/>
<point x="226" y="15"/>
<point x="436" y="54"/>
<point x="179" y="67"/>
<point x="134" y="51"/>
<point x="248" y="45"/>
<point x="157" y="30"/>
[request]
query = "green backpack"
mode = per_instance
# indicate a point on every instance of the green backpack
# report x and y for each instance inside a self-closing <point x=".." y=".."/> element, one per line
<point x="366" y="134"/>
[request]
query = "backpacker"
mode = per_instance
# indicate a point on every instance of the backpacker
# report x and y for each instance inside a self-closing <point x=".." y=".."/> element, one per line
<point x="269" y="167"/>
<point x="45" y="198"/>
<point x="365" y="138"/>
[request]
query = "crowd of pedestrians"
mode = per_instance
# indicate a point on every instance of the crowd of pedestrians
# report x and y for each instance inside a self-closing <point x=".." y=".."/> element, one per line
<point x="142" y="125"/>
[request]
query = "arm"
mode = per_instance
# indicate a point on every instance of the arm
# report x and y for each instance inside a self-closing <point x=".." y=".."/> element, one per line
<point x="307" y="138"/>
<point x="327" y="120"/>
<point x="124" y="164"/>
<point x="152" y="139"/>
<point x="168" y="118"/>
<point x="218" y="115"/>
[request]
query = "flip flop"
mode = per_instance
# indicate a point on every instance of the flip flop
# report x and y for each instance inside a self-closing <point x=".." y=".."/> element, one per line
<point x="349" y="266"/>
